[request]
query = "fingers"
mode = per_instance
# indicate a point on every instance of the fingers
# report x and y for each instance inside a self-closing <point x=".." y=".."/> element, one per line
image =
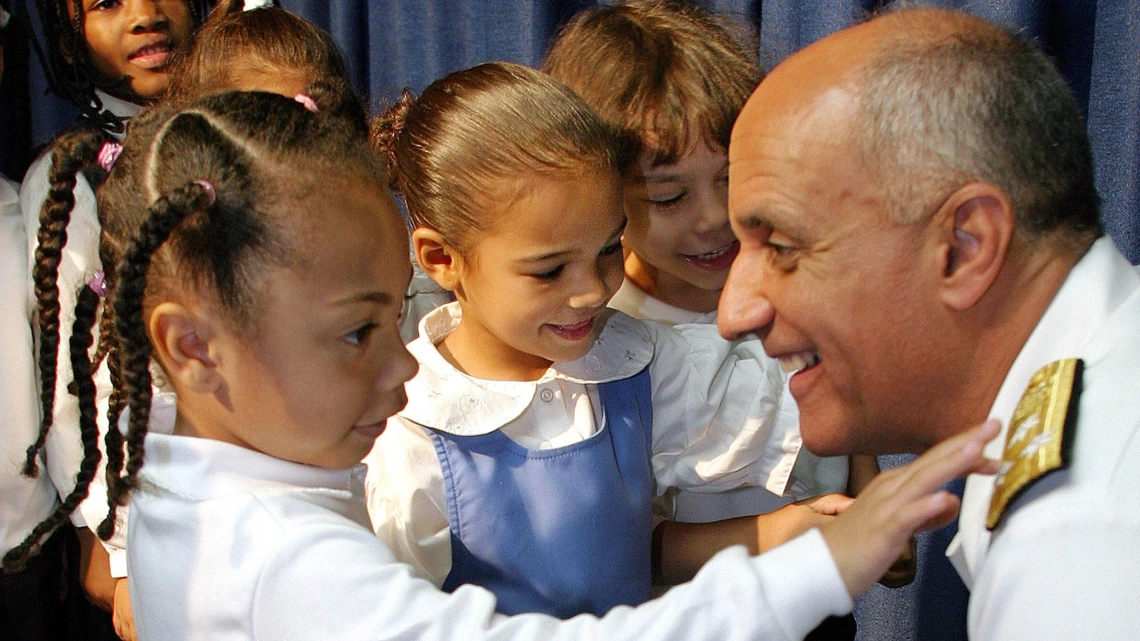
<point x="952" y="458"/>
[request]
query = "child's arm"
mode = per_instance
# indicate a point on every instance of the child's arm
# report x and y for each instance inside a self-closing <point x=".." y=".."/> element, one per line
<point x="863" y="469"/>
<point x="681" y="549"/>
<point x="105" y="591"/>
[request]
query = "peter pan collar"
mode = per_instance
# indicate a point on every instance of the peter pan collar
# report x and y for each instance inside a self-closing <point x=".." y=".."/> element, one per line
<point x="443" y="398"/>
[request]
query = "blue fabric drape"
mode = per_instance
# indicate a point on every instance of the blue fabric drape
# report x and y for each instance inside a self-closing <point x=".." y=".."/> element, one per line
<point x="392" y="44"/>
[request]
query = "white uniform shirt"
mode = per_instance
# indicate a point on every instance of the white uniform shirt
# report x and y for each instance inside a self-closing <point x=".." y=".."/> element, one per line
<point x="700" y="507"/>
<point x="78" y="263"/>
<point x="24" y="501"/>
<point x="722" y="418"/>
<point x="1065" y="561"/>
<point x="227" y="543"/>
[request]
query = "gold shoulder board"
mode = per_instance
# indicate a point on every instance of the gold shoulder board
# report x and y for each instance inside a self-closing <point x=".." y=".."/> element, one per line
<point x="1039" y="433"/>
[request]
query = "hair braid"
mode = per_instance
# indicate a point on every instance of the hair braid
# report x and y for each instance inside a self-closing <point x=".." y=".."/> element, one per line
<point x="165" y="214"/>
<point x="71" y="154"/>
<point x="80" y="344"/>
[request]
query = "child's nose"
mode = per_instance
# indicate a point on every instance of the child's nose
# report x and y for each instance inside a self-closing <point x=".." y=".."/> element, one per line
<point x="146" y="15"/>
<point x="714" y="213"/>
<point x="595" y="291"/>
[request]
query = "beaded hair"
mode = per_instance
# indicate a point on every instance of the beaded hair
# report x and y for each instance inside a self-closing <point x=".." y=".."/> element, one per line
<point x="198" y="200"/>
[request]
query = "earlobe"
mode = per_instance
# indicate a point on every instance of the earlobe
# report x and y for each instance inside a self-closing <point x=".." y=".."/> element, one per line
<point x="182" y="343"/>
<point x="437" y="257"/>
<point x="979" y="222"/>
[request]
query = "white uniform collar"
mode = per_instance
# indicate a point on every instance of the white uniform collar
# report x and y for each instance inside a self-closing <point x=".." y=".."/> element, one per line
<point x="443" y="398"/>
<point x="636" y="302"/>
<point x="201" y="468"/>
<point x="1096" y="286"/>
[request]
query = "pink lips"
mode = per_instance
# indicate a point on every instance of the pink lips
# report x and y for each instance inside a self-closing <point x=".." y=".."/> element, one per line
<point x="153" y="56"/>
<point x="575" y="332"/>
<point x="714" y="261"/>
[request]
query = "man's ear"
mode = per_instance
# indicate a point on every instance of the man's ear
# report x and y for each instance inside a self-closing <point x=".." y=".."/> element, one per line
<point x="184" y="342"/>
<point x="977" y="224"/>
<point x="437" y="257"/>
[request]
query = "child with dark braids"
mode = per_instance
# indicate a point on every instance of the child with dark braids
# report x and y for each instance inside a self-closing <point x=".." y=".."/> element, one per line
<point x="254" y="252"/>
<point x="269" y="49"/>
<point x="110" y="59"/>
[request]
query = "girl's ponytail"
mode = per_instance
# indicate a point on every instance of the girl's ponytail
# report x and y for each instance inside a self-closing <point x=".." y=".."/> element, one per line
<point x="385" y="129"/>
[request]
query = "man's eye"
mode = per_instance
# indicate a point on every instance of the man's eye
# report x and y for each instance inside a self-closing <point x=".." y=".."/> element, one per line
<point x="360" y="335"/>
<point x="611" y="249"/>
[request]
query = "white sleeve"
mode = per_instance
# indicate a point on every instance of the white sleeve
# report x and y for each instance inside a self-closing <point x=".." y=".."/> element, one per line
<point x="406" y="499"/>
<point x="722" y="416"/>
<point x="309" y="591"/>
<point x="80" y="258"/>
<point x="1064" y="573"/>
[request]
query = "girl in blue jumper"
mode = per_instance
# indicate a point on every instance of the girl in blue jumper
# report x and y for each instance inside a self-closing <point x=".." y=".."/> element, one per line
<point x="541" y="423"/>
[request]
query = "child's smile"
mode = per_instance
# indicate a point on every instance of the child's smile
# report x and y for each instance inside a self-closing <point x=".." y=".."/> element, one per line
<point x="681" y="243"/>
<point x="533" y="285"/>
<point x="135" y="40"/>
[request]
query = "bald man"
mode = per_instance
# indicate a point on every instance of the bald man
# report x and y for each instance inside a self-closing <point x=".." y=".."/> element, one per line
<point x="921" y="243"/>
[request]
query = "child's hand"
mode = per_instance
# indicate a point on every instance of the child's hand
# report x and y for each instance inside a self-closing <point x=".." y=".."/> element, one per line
<point x="870" y="535"/>
<point x="121" y="616"/>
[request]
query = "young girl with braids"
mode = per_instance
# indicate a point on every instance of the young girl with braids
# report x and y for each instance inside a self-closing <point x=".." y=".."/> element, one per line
<point x="541" y="423"/>
<point x="110" y="59"/>
<point x="259" y="258"/>
<point x="268" y="48"/>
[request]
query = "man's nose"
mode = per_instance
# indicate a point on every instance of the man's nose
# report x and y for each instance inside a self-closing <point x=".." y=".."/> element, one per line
<point x="744" y="306"/>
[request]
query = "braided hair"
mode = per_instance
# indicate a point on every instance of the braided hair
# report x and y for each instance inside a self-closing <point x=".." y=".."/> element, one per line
<point x="161" y="224"/>
<point x="193" y="204"/>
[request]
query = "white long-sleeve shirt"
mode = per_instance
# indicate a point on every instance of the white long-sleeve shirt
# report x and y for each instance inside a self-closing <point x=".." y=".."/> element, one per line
<point x="227" y="543"/>
<point x="24" y="501"/>
<point x="722" y="418"/>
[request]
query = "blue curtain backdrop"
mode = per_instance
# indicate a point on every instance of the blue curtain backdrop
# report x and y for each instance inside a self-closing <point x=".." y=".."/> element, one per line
<point x="392" y="44"/>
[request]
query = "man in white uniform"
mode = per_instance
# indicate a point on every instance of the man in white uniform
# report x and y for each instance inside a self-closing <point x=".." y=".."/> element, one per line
<point x="920" y="238"/>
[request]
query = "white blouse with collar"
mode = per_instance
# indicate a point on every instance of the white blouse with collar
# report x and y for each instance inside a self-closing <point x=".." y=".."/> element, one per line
<point x="722" y="418"/>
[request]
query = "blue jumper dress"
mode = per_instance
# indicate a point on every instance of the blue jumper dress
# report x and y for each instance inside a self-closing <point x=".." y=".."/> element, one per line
<point x="562" y="531"/>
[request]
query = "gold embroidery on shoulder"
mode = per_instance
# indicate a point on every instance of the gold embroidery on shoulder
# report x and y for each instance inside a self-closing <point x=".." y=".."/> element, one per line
<point x="1035" y="441"/>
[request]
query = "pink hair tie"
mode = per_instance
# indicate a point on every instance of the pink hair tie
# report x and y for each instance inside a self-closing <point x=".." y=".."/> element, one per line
<point x="308" y="102"/>
<point x="98" y="284"/>
<point x="209" y="189"/>
<point x="108" y="154"/>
